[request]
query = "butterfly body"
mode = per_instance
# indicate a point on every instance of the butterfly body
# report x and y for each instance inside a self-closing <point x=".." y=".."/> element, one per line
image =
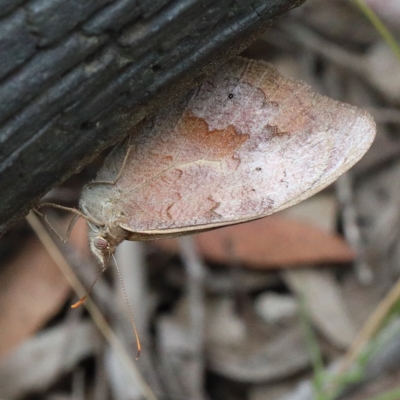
<point x="245" y="144"/>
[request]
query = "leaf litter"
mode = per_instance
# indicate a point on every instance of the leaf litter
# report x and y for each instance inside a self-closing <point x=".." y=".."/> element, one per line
<point x="242" y="356"/>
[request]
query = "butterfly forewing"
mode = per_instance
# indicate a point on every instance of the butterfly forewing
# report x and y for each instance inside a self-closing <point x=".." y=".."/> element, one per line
<point x="248" y="142"/>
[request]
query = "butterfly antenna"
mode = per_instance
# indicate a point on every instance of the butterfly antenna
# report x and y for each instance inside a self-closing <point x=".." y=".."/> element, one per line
<point x="82" y="299"/>
<point x="139" y="347"/>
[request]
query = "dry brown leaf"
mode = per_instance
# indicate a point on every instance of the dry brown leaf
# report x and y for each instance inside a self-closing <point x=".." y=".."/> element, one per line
<point x="320" y="211"/>
<point x="32" y="290"/>
<point x="324" y="301"/>
<point x="40" y="361"/>
<point x="263" y="358"/>
<point x="270" y="242"/>
<point x="240" y="350"/>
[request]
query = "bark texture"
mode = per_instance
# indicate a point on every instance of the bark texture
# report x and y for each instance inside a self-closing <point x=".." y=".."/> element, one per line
<point x="76" y="75"/>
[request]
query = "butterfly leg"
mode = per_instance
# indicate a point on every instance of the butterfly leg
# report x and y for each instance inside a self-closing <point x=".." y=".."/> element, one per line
<point x="72" y="223"/>
<point x="70" y="226"/>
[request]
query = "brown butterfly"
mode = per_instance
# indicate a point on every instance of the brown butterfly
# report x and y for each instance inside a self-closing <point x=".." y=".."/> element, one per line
<point x="246" y="143"/>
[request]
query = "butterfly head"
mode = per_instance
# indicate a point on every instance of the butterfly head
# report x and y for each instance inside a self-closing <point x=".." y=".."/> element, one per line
<point x="103" y="232"/>
<point x="101" y="248"/>
<point x="103" y="241"/>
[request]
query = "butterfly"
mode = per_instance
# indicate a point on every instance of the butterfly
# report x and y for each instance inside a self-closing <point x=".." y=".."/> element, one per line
<point x="244" y="144"/>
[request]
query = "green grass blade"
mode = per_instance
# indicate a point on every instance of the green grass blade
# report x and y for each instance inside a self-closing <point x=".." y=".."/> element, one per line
<point x="379" y="26"/>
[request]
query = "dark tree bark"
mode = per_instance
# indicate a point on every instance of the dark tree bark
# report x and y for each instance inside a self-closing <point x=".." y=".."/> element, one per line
<point x="75" y="75"/>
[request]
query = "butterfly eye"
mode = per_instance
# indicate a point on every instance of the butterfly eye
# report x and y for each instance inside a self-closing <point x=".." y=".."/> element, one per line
<point x="100" y="243"/>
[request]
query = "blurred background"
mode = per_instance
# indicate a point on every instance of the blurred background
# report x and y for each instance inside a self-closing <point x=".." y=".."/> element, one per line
<point x="301" y="305"/>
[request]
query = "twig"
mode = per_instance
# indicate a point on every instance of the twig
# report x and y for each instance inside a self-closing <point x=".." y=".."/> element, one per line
<point x="332" y="52"/>
<point x="93" y="310"/>
<point x="130" y="257"/>
<point x="131" y="260"/>
<point x="196" y="274"/>
<point x="385" y="115"/>
<point x="370" y="328"/>
<point x="351" y="230"/>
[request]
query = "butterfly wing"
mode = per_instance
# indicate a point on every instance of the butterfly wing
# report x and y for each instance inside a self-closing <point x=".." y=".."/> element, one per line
<point x="247" y="143"/>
